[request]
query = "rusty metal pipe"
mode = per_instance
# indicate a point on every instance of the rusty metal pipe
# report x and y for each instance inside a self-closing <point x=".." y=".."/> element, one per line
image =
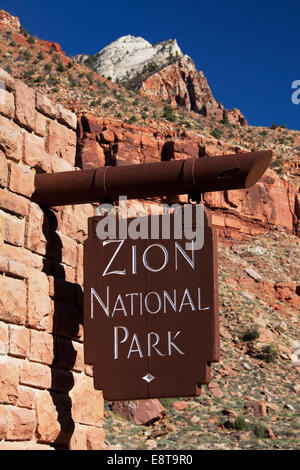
<point x="219" y="173"/>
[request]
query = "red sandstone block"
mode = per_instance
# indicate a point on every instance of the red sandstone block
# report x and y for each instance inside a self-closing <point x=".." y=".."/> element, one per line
<point x="12" y="300"/>
<point x="11" y="139"/>
<point x="132" y="138"/>
<point x="14" y="230"/>
<point x="7" y="103"/>
<point x="72" y="220"/>
<point x="41" y="347"/>
<point x="49" y="408"/>
<point x="39" y="305"/>
<point x="95" y="438"/>
<point x="9" y="379"/>
<point x="26" y="397"/>
<point x="233" y="223"/>
<point x="25" y="105"/>
<point x="3" y="263"/>
<point x="3" y="170"/>
<point x="31" y="260"/>
<point x="19" y="341"/>
<point x="79" y="361"/>
<point x="23" y="445"/>
<point x="3" y="338"/>
<point x="3" y="421"/>
<point x="21" y="179"/>
<point x="59" y="164"/>
<point x="40" y="125"/>
<point x="34" y="236"/>
<point x="187" y="148"/>
<point x="69" y="250"/>
<point x="92" y="154"/>
<point x="107" y="136"/>
<point x="79" y="438"/>
<point x="13" y="202"/>
<point x="87" y="403"/>
<point x="46" y="106"/>
<point x="150" y="155"/>
<point x="34" y="152"/>
<point x="2" y="246"/>
<point x="149" y="141"/>
<point x="218" y="220"/>
<point x="66" y="117"/>
<point x="88" y="370"/>
<point x="61" y="141"/>
<point x="79" y="271"/>
<point x="181" y="156"/>
<point x="7" y="79"/>
<point x="36" y="375"/>
<point x="21" y="424"/>
<point x="17" y="269"/>
<point x="70" y="273"/>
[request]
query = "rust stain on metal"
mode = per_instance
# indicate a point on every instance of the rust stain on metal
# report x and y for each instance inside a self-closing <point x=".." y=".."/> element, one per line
<point x="151" y="320"/>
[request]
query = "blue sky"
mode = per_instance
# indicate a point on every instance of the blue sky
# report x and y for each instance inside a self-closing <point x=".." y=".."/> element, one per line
<point x="248" y="50"/>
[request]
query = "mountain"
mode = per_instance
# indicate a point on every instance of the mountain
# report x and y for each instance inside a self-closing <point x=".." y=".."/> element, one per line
<point x="162" y="72"/>
<point x="129" y="56"/>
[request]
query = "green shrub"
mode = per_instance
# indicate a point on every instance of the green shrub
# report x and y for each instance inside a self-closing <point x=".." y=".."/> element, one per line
<point x="132" y="120"/>
<point x="12" y="43"/>
<point x="40" y="56"/>
<point x="259" y="430"/>
<point x="60" y="67"/>
<point x="90" y="77"/>
<point x="31" y="40"/>
<point x="240" y="424"/>
<point x="52" y="80"/>
<point x="27" y="54"/>
<point x="168" y="113"/>
<point x="24" y="32"/>
<point x="48" y="67"/>
<point x="251" y="334"/>
<point x="216" y="133"/>
<point x="270" y="353"/>
<point x="40" y="79"/>
<point x="225" y="120"/>
<point x="28" y="73"/>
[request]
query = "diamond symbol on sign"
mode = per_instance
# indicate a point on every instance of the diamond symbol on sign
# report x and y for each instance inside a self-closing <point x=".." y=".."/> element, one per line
<point x="148" y="378"/>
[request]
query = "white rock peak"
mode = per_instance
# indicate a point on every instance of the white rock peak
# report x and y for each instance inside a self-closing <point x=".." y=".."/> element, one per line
<point x="128" y="56"/>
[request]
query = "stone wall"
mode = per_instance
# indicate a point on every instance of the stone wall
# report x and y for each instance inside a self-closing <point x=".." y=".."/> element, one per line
<point x="47" y="399"/>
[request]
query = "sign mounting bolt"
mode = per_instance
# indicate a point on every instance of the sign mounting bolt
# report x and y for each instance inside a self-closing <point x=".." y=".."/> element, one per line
<point x="148" y="377"/>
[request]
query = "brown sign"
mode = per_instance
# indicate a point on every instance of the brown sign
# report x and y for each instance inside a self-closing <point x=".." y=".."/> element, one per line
<point x="150" y="313"/>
